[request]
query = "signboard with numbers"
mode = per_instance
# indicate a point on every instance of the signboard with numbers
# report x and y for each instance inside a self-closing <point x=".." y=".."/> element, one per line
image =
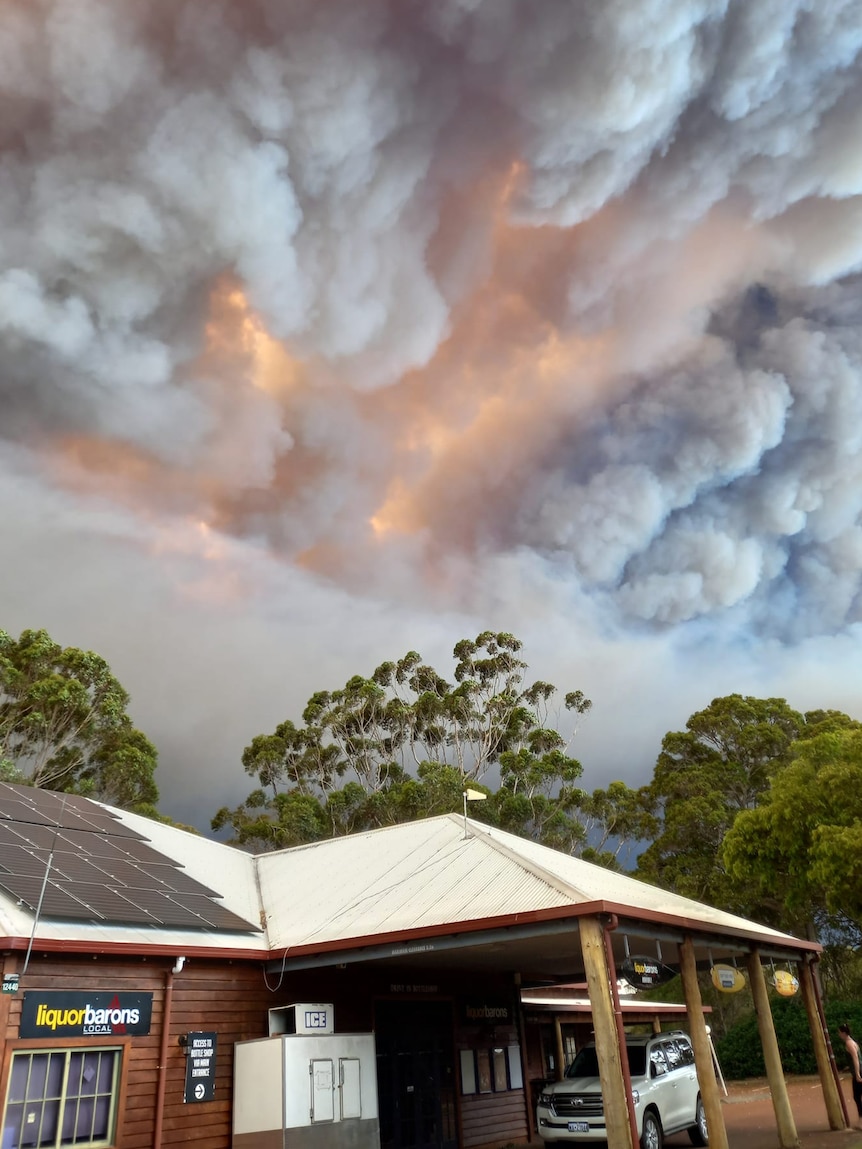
<point x="200" y="1066"/>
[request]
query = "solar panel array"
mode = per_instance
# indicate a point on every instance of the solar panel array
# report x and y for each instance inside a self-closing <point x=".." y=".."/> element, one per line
<point x="100" y="870"/>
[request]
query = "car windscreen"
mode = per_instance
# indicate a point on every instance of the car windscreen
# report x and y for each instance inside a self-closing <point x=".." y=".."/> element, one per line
<point x="586" y="1063"/>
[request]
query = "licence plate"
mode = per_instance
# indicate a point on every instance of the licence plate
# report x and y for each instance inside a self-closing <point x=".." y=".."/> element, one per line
<point x="578" y="1127"/>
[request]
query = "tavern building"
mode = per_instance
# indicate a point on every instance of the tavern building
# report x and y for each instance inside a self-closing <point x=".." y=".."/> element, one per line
<point x="387" y="990"/>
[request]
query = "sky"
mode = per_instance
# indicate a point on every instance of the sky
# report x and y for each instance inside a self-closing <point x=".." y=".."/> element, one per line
<point x="335" y="329"/>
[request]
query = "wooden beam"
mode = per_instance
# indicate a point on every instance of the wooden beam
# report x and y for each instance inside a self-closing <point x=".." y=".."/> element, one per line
<point x="788" y="1138"/>
<point x="560" y="1055"/>
<point x="834" y="1108"/>
<point x="617" y="1122"/>
<point x="702" y="1050"/>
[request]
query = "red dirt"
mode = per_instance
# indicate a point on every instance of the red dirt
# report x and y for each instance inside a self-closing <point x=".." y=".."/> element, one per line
<point x="750" y="1119"/>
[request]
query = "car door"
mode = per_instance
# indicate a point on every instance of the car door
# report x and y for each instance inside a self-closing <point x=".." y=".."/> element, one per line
<point x="659" y="1091"/>
<point x="681" y="1083"/>
<point x="689" y="1086"/>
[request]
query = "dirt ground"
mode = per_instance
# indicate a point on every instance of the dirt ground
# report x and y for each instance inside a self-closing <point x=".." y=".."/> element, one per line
<point x="750" y="1118"/>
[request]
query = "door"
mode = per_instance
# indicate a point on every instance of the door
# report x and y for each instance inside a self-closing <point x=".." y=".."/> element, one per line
<point x="680" y="1059"/>
<point x="415" y="1076"/>
<point x="322" y="1089"/>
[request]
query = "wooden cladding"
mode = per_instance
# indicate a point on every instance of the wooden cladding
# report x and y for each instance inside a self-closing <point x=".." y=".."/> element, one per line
<point x="493" y="1118"/>
<point x="227" y="998"/>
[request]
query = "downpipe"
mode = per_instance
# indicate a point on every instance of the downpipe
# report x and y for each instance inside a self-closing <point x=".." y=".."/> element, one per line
<point x="159" y="1114"/>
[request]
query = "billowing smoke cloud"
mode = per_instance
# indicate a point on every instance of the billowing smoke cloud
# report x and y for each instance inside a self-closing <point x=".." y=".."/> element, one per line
<point x="402" y="292"/>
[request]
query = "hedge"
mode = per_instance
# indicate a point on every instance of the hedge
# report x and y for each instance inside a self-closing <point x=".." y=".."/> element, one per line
<point x="740" y="1054"/>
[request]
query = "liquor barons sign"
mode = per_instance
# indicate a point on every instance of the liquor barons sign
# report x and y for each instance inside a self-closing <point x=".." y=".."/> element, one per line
<point x="85" y="1014"/>
<point x="491" y="1012"/>
<point x="645" y="972"/>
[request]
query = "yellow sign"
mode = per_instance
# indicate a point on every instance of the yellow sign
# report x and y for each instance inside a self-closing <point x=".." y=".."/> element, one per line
<point x="727" y="978"/>
<point x="785" y="983"/>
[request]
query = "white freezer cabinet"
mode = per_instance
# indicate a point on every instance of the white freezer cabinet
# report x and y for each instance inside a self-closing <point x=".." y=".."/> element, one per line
<point x="295" y="1091"/>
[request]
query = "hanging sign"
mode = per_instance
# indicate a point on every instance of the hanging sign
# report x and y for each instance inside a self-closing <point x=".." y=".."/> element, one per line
<point x="727" y="978"/>
<point x="785" y="983"/>
<point x="200" y="1066"/>
<point x="645" y="972"/>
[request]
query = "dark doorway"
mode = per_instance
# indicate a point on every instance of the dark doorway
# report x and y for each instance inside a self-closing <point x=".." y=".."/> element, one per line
<point x="415" y="1075"/>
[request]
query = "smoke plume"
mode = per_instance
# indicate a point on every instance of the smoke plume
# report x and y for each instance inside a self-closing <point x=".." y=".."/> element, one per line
<point x="413" y="296"/>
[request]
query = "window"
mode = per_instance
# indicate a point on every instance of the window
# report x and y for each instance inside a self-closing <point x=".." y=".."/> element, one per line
<point x="496" y="1070"/>
<point x="678" y="1053"/>
<point x="61" y="1097"/>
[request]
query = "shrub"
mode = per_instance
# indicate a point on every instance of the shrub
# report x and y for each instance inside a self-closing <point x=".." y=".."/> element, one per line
<point x="740" y="1053"/>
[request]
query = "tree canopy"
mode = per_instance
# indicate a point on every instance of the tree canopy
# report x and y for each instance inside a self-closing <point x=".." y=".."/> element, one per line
<point x="802" y="846"/>
<point x="724" y="790"/>
<point x="404" y="742"/>
<point x="720" y="764"/>
<point x="64" y="725"/>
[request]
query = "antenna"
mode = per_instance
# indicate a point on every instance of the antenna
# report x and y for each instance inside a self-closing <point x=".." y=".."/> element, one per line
<point x="50" y="862"/>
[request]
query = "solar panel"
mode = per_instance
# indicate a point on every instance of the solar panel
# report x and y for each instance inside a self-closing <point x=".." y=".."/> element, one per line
<point x="98" y="869"/>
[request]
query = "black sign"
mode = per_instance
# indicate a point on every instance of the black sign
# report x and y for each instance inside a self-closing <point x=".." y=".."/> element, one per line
<point x="200" y="1066"/>
<point x="645" y="972"/>
<point x="10" y="982"/>
<point x="47" y="1014"/>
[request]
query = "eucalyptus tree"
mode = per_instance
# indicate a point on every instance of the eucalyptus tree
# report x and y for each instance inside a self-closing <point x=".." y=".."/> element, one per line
<point x="801" y="847"/>
<point x="64" y="724"/>
<point x="716" y="774"/>
<point x="720" y="764"/>
<point x="403" y="743"/>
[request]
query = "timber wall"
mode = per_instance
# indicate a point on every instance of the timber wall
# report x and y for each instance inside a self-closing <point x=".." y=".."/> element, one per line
<point x="229" y="999"/>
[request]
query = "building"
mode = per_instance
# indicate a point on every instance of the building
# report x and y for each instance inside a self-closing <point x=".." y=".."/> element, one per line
<point x="136" y="955"/>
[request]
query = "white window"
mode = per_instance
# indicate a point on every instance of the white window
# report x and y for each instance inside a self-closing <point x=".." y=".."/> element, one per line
<point x="61" y="1097"/>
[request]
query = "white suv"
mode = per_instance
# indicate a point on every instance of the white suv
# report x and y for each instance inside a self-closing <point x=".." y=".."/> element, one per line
<point x="664" y="1087"/>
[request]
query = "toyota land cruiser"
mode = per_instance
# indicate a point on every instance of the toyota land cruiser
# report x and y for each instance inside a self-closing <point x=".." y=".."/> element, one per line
<point x="664" y="1087"/>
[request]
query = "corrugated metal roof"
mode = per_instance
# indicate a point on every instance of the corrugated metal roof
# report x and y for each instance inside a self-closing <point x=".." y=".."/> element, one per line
<point x="402" y="878"/>
<point x="420" y="876"/>
<point x="426" y="874"/>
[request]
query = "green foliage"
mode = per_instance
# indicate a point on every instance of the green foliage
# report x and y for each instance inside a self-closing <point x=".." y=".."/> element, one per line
<point x="740" y="1052"/>
<point x="403" y="744"/>
<point x="619" y="814"/>
<point x="803" y="844"/>
<point x="64" y="726"/>
<point x="9" y="772"/>
<point x="719" y="770"/>
<point x="841" y="971"/>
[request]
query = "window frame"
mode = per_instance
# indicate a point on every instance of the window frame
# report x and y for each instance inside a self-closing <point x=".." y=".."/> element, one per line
<point x="489" y="1063"/>
<point x="658" y="1062"/>
<point x="122" y="1045"/>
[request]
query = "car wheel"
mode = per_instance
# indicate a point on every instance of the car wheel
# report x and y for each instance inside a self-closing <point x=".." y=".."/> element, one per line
<point x="651" y="1136"/>
<point x="699" y="1134"/>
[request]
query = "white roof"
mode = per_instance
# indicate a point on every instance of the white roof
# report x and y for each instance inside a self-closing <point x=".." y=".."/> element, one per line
<point x="419" y="876"/>
<point x="426" y="874"/>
